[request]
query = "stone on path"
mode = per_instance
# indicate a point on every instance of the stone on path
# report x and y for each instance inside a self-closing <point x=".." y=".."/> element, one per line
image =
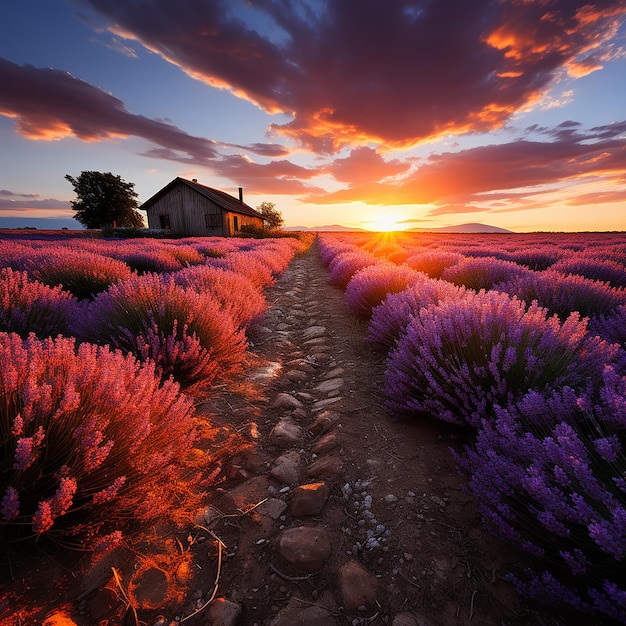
<point x="358" y="587"/>
<point x="334" y="373"/>
<point x="322" y="404"/>
<point x="330" y="385"/>
<point x="326" y="467"/>
<point x="286" y="434"/>
<point x="309" y="499"/>
<point x="285" y="401"/>
<point x="272" y="507"/>
<point x="286" y="468"/>
<point x="313" y="332"/>
<point x="223" y="612"/>
<point x="324" y="422"/>
<point x="328" y="442"/>
<point x="305" y="548"/>
<point x="296" y="376"/>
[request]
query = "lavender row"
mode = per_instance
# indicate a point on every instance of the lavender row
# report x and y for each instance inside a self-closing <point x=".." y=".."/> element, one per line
<point x="529" y="364"/>
<point x="101" y="343"/>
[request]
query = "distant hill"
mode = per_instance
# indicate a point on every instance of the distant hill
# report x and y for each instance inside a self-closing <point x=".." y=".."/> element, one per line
<point x="330" y="228"/>
<point x="463" y="228"/>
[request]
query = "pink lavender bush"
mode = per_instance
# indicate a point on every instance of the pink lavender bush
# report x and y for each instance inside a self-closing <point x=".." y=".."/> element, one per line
<point x="549" y="476"/>
<point x="371" y="285"/>
<point x="84" y="274"/>
<point x="483" y="272"/>
<point x="147" y="258"/>
<point x="186" y="333"/>
<point x="329" y="247"/>
<point x="433" y="262"/>
<point x="91" y="440"/>
<point x="184" y="253"/>
<point x="28" y="306"/>
<point x="604" y="270"/>
<point x="563" y="294"/>
<point x="345" y="265"/>
<point x="536" y="257"/>
<point x="251" y="266"/>
<point x="460" y="358"/>
<point x="233" y="292"/>
<point x="391" y="317"/>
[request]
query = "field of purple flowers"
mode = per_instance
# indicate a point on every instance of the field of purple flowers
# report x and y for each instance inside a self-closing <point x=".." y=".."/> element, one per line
<point x="519" y="343"/>
<point x="101" y="344"/>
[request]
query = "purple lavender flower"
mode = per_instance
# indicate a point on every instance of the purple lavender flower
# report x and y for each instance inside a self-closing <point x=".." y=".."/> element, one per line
<point x="460" y="358"/>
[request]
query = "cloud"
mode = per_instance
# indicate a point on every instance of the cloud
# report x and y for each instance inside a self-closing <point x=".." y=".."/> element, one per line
<point x="477" y="178"/>
<point x="366" y="163"/>
<point x="16" y="204"/>
<point x="399" y="74"/>
<point x="11" y="194"/>
<point x="49" y="104"/>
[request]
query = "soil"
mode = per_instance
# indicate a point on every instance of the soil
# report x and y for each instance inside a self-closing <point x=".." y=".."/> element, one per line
<point x="429" y="560"/>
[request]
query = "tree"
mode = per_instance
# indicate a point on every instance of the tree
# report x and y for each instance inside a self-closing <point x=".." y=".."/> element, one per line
<point x="105" y="200"/>
<point x="272" y="217"/>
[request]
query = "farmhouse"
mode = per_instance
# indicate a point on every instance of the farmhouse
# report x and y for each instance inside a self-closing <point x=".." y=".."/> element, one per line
<point x="187" y="208"/>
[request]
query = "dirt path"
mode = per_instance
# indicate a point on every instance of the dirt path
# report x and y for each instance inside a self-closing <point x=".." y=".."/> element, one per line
<point x="386" y="535"/>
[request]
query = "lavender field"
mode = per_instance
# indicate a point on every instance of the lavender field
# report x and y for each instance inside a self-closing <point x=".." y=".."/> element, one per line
<point x="515" y="342"/>
<point x="518" y="341"/>
<point x="101" y="345"/>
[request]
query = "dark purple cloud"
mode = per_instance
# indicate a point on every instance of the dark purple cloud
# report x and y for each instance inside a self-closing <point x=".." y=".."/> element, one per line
<point x="50" y="104"/>
<point x="397" y="72"/>
<point x="25" y="203"/>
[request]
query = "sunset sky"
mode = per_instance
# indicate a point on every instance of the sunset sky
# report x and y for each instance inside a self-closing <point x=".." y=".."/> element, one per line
<point x="366" y="113"/>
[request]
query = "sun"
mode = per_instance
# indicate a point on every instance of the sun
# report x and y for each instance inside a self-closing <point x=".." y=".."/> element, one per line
<point x="385" y="224"/>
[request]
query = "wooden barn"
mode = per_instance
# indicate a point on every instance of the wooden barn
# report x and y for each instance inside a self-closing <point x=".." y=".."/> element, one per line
<point x="187" y="208"/>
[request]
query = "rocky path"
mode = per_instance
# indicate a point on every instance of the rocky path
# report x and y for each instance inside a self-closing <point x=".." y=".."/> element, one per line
<point x="326" y="511"/>
<point x="333" y="513"/>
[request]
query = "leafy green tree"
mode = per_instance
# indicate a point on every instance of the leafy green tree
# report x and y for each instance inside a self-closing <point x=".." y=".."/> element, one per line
<point x="272" y="217"/>
<point x="105" y="200"/>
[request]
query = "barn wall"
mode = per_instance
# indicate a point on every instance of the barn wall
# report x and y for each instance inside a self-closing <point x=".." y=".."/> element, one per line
<point x="242" y="220"/>
<point x="187" y="209"/>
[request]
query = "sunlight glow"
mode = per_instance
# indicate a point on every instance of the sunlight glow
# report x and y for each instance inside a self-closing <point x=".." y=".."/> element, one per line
<point x="385" y="224"/>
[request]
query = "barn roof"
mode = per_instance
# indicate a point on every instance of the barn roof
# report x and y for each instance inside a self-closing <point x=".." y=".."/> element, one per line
<point x="222" y="199"/>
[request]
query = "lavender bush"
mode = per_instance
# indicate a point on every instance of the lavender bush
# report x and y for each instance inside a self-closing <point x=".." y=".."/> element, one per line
<point x="187" y="334"/>
<point x="345" y="265"/>
<point x="233" y="292"/>
<point x="370" y="286"/>
<point x="549" y="476"/>
<point x="28" y="306"/>
<point x="460" y="358"/>
<point x="563" y="294"/>
<point x="84" y="274"/>
<point x="433" y="262"/>
<point x="603" y="270"/>
<point x="90" y="440"/>
<point x="483" y="272"/>
<point x="392" y="316"/>
<point x="252" y="267"/>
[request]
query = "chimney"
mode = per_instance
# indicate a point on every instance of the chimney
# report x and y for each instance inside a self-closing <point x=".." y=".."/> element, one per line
<point x="241" y="195"/>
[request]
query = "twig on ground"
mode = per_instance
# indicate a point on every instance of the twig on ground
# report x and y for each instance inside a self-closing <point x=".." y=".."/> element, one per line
<point x="220" y="545"/>
<point x="131" y="612"/>
<point x="292" y="578"/>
